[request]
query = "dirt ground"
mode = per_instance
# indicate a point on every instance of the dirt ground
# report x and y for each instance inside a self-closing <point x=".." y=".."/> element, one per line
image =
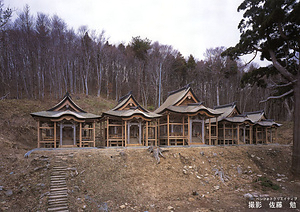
<point x="188" y="179"/>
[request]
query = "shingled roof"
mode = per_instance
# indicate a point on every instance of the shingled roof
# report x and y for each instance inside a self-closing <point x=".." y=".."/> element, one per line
<point x="128" y="107"/>
<point x="174" y="99"/>
<point x="66" y="107"/>
<point x="255" y="118"/>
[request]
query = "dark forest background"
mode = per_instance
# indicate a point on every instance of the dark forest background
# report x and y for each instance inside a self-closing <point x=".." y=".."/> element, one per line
<point x="42" y="58"/>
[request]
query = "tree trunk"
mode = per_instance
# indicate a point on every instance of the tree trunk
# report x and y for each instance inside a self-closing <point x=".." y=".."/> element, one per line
<point x="218" y="93"/>
<point x="296" y="142"/>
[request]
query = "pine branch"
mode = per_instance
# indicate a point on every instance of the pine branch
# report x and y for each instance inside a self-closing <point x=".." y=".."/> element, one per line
<point x="283" y="85"/>
<point x="277" y="97"/>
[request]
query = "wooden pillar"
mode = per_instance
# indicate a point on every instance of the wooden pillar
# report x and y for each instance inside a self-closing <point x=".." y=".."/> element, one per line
<point x="147" y="133"/>
<point x="60" y="133"/>
<point x="238" y="135"/>
<point x="266" y="129"/>
<point x="38" y="133"/>
<point x="156" y="132"/>
<point x="251" y="134"/>
<point x="203" y="131"/>
<point x="80" y="134"/>
<point x="217" y="131"/>
<point x="276" y="133"/>
<point x="256" y="138"/>
<point x="189" y="130"/>
<point x="244" y="132"/>
<point x="74" y="134"/>
<point x="125" y="133"/>
<point x="209" y="132"/>
<point x="183" y="130"/>
<point x="271" y="135"/>
<point x="140" y="132"/>
<point x="54" y="134"/>
<point x="122" y="126"/>
<point x="224" y="135"/>
<point x="168" y="128"/>
<point x="128" y="133"/>
<point x="94" y="129"/>
<point x="232" y="133"/>
<point x="107" y="132"/>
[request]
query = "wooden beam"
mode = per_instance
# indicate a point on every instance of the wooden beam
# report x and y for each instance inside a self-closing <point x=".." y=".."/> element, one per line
<point x="80" y="134"/>
<point x="54" y="134"/>
<point x="38" y="133"/>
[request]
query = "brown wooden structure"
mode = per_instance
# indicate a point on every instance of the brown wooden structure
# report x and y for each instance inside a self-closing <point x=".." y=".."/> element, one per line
<point x="129" y="124"/>
<point x="65" y="125"/>
<point x="246" y="128"/>
<point x="183" y="120"/>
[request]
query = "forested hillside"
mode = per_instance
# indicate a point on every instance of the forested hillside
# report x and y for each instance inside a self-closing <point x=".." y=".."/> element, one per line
<point x="40" y="57"/>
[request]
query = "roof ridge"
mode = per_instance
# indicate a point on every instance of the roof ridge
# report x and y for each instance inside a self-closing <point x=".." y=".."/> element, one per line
<point x="125" y="96"/>
<point x="178" y="90"/>
<point x="225" y="105"/>
<point x="254" y="112"/>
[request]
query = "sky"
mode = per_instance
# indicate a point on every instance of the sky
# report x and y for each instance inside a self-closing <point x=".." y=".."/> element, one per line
<point x="190" y="26"/>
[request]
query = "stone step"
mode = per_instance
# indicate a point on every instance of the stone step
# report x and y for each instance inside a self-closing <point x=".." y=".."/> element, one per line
<point x="52" y="201"/>
<point x="57" y="182"/>
<point x="59" y="192"/>
<point x="57" y="177"/>
<point x="58" y="204"/>
<point x="58" y="208"/>
<point x="58" y="189"/>
<point x="57" y="196"/>
<point x="58" y="186"/>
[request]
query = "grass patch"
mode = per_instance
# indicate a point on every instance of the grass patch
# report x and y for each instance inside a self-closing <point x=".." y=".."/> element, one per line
<point x="267" y="183"/>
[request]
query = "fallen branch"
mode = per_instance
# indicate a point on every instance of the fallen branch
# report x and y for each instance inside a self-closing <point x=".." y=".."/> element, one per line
<point x="156" y="153"/>
<point x="4" y="97"/>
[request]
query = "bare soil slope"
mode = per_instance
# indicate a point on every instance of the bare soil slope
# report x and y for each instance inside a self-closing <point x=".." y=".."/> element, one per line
<point x="188" y="179"/>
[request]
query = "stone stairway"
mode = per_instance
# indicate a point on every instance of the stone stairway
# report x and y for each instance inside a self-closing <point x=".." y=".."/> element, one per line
<point x="58" y="197"/>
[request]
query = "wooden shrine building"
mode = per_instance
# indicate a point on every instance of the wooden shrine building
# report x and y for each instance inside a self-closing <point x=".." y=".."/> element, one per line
<point x="183" y="120"/>
<point x="65" y="125"/>
<point x="246" y="128"/>
<point x="129" y="124"/>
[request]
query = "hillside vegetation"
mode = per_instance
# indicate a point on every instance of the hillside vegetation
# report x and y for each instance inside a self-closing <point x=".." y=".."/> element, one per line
<point x="18" y="128"/>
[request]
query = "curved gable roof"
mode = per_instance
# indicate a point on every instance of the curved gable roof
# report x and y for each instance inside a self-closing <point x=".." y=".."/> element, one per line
<point x="71" y="109"/>
<point x="67" y="101"/>
<point x="227" y="110"/>
<point x="175" y="97"/>
<point x="122" y="110"/>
